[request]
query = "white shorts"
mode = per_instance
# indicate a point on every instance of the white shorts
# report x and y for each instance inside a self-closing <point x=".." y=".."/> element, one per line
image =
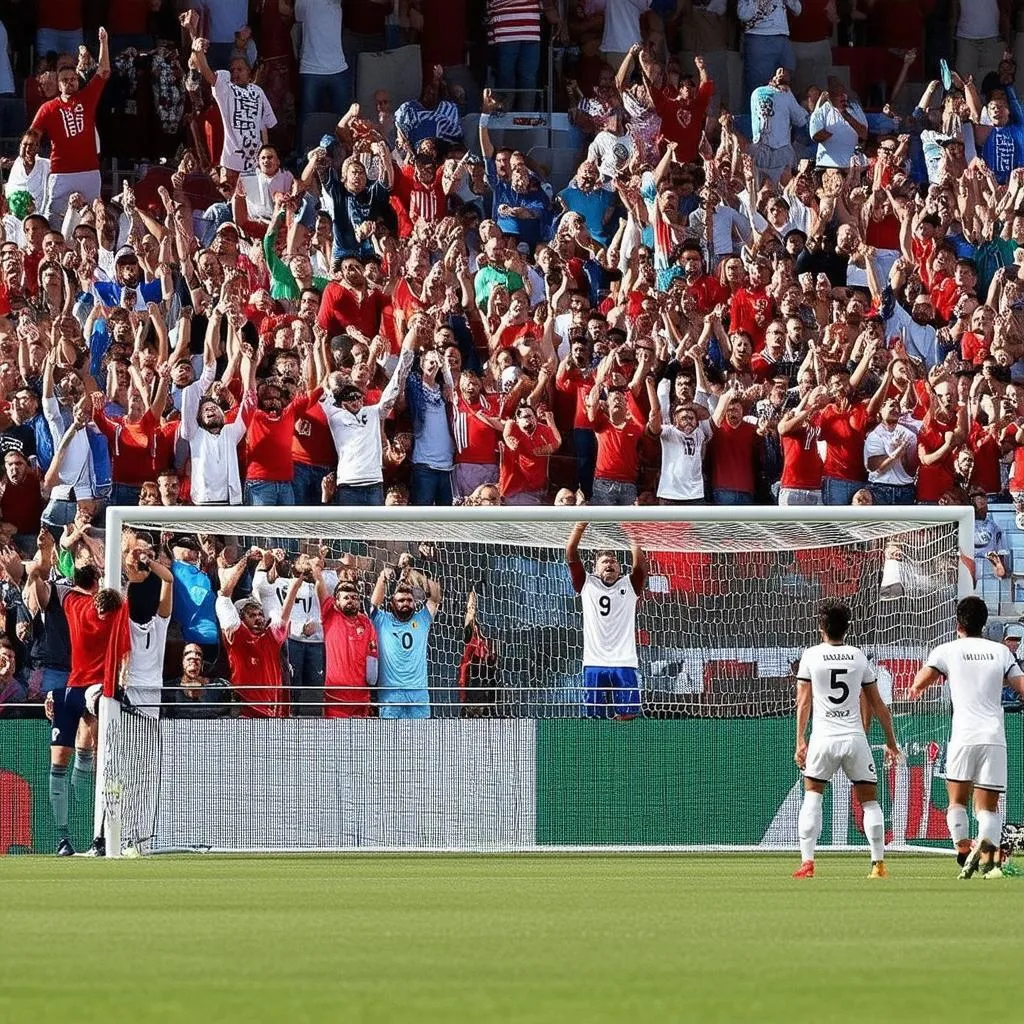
<point x="984" y="764"/>
<point x="851" y="753"/>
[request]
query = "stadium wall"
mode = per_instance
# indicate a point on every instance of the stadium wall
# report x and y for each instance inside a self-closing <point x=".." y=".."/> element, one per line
<point x="485" y="784"/>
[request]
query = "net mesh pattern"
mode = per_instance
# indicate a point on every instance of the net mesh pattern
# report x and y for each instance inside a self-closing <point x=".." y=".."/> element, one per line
<point x="728" y="608"/>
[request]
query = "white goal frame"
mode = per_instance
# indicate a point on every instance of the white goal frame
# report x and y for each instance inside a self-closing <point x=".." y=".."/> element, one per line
<point x="221" y="519"/>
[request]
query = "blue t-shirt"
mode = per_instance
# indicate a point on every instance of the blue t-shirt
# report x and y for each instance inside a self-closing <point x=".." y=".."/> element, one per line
<point x="195" y="604"/>
<point x="402" y="649"/>
<point x="592" y="207"/>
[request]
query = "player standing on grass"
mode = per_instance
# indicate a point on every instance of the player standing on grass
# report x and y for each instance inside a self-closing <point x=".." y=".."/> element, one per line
<point x="402" y="634"/>
<point x="838" y="682"/>
<point x="976" y="670"/>
<point x="611" y="687"/>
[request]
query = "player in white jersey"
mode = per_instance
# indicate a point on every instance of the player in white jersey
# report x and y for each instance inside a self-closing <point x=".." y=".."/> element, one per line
<point x="609" y="597"/>
<point x="976" y="670"/>
<point x="144" y="669"/>
<point x="836" y="692"/>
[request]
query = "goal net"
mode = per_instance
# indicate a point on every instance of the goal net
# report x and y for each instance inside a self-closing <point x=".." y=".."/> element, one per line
<point x="503" y="751"/>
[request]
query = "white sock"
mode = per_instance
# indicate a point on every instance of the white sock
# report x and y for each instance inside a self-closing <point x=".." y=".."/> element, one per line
<point x="809" y="824"/>
<point x="874" y="829"/>
<point x="990" y="826"/>
<point x="956" y="821"/>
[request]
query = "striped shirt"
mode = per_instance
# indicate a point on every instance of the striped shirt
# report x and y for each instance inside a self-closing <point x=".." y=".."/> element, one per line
<point x="476" y="442"/>
<point x="513" y="21"/>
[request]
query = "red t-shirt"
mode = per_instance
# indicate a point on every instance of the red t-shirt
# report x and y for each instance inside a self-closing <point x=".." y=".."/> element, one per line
<point x="340" y="307"/>
<point x="577" y="384"/>
<point x="933" y="481"/>
<point x="268" y="441"/>
<point x="522" y="471"/>
<point x="476" y="442"/>
<point x="618" y="449"/>
<point x="62" y="15"/>
<point x="751" y="311"/>
<point x="132" y="447"/>
<point x="443" y="37"/>
<point x="420" y="202"/>
<point x="366" y="17"/>
<point x="733" y="457"/>
<point x="985" y="445"/>
<point x="89" y="635"/>
<point x="845" y="433"/>
<point x="682" y="122"/>
<point x="945" y="295"/>
<point x="21" y="505"/>
<point x="128" y="17"/>
<point x="1016" y="482"/>
<point x="801" y="461"/>
<point x="811" y="25"/>
<point x="973" y="348"/>
<point x="255" y="663"/>
<point x="708" y="292"/>
<point x="312" y="443"/>
<point x="349" y="642"/>
<point x="71" y="128"/>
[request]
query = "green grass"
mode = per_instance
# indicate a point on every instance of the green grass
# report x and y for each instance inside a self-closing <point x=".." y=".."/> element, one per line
<point x="445" y="939"/>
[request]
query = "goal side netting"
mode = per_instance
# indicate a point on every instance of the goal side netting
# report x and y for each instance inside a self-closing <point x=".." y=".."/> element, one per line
<point x="505" y="750"/>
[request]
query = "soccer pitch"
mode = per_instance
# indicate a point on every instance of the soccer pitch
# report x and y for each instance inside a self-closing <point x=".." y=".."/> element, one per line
<point x="533" y="938"/>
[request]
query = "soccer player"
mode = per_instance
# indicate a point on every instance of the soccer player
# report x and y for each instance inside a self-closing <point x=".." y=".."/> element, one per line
<point x="611" y="687"/>
<point x="402" y="634"/>
<point x="351" y="645"/>
<point x="144" y="668"/>
<point x="976" y="670"/>
<point x="90" y="613"/>
<point x="838" y="682"/>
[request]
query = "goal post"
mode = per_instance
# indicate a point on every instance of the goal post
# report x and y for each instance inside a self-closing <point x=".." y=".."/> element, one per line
<point x="520" y="764"/>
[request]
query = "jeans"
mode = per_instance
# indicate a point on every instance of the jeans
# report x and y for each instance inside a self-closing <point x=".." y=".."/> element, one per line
<point x="308" y="662"/>
<point x="893" y="494"/>
<point x="269" y="492"/>
<point x="359" y="494"/>
<point x="308" y="484"/>
<point x="125" y="494"/>
<point x="727" y="496"/>
<point x="430" y="486"/>
<point x="613" y="492"/>
<point x="516" y="66"/>
<point x="838" y="492"/>
<point x="57" y="514"/>
<point x="762" y="56"/>
<point x="53" y="40"/>
<point x="322" y="94"/>
<point x="584" y="443"/>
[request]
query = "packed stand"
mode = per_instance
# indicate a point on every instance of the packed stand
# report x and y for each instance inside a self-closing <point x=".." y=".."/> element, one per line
<point x="817" y="302"/>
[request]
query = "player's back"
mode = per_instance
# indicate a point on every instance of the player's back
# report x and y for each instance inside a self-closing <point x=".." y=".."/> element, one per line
<point x="609" y="623"/>
<point x="975" y="668"/>
<point x="837" y="673"/>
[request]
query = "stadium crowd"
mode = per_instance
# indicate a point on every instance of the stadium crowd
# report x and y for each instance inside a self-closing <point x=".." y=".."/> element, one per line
<point x="815" y="303"/>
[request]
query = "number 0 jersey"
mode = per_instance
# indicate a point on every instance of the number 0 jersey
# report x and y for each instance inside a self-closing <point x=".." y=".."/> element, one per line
<point x="837" y="673"/>
<point x="609" y="623"/>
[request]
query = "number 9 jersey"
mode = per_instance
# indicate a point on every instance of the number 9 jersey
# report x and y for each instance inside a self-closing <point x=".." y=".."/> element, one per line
<point x="609" y="623"/>
<point x="837" y="674"/>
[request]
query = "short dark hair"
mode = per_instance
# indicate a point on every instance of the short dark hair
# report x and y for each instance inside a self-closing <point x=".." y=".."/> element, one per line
<point x="402" y="588"/>
<point x="834" y="618"/>
<point x="971" y="615"/>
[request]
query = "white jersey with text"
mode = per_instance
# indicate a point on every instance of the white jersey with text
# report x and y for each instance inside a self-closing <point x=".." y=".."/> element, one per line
<point x="837" y="673"/>
<point x="609" y="623"/>
<point x="975" y="669"/>
<point x="145" y="673"/>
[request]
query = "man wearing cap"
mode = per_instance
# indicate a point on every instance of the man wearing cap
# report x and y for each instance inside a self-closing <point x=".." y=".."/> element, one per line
<point x="69" y="121"/>
<point x="128" y="280"/>
<point x="356" y="427"/>
<point x="254" y="643"/>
